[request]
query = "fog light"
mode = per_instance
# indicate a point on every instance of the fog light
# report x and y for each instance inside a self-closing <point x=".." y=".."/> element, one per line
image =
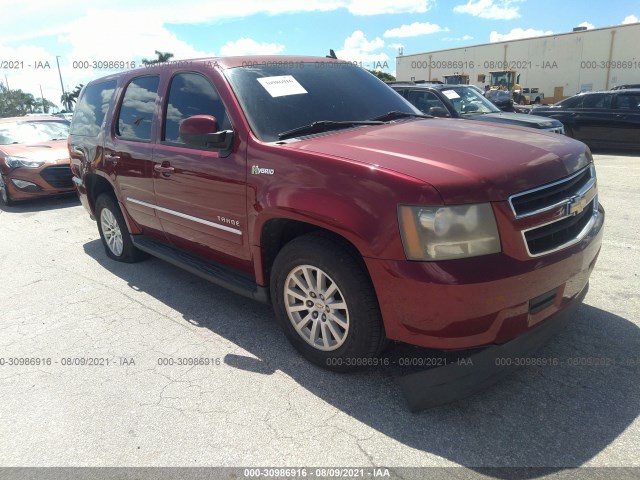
<point x="26" y="186"/>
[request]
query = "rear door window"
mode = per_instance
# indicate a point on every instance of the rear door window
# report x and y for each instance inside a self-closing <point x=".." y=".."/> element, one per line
<point x="138" y="105"/>
<point x="597" y="100"/>
<point x="628" y="101"/>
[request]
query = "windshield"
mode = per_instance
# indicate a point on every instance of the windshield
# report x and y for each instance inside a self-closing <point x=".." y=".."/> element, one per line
<point x="468" y="101"/>
<point x="502" y="79"/>
<point x="279" y="98"/>
<point x="33" y="131"/>
<point x="499" y="95"/>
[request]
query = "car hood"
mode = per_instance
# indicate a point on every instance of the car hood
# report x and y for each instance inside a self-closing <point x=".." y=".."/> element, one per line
<point x="531" y="121"/>
<point x="55" y="151"/>
<point x="465" y="161"/>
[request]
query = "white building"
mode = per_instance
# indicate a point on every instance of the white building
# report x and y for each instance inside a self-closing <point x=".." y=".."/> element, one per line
<point x="560" y="65"/>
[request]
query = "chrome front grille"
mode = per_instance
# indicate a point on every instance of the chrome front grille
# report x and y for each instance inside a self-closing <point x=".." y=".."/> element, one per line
<point x="574" y="198"/>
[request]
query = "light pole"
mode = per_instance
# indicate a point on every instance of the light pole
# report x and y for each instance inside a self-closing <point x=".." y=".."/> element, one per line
<point x="60" y="74"/>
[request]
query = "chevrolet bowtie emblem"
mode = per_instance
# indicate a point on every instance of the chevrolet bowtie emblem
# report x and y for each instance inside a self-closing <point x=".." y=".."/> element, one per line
<point x="579" y="202"/>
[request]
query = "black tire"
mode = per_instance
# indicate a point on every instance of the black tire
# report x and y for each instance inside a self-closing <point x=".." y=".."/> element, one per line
<point x="106" y="205"/>
<point x="363" y="340"/>
<point x="5" y="198"/>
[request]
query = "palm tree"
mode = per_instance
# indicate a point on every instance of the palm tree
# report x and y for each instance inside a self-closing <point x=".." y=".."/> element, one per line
<point x="67" y="100"/>
<point x="162" y="57"/>
<point x="76" y="92"/>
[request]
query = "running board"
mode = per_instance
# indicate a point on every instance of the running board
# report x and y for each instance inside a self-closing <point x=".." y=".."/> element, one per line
<point x="207" y="269"/>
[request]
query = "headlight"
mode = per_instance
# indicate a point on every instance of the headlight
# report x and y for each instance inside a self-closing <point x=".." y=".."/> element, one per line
<point x="14" y="162"/>
<point x="445" y="233"/>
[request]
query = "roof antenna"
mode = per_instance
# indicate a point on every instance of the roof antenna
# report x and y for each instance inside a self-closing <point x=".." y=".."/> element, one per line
<point x="332" y="54"/>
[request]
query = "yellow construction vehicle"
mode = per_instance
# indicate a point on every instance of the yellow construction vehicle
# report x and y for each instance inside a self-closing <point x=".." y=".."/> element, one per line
<point x="508" y="80"/>
<point x="456" y="79"/>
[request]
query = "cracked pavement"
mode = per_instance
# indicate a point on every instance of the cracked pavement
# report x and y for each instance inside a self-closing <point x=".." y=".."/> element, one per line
<point x="257" y="402"/>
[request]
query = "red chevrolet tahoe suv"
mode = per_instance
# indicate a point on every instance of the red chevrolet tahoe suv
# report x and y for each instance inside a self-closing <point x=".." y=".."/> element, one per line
<point x="309" y="183"/>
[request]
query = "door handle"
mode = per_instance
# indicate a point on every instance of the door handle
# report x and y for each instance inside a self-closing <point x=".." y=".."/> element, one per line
<point x="112" y="158"/>
<point x="164" y="169"/>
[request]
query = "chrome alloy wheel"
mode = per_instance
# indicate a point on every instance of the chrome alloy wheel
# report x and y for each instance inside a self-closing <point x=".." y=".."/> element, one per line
<point x="111" y="231"/>
<point x="316" y="308"/>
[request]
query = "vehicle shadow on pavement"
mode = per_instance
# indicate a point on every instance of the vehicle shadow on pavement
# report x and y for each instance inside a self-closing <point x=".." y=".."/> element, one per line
<point x="554" y="416"/>
<point x="42" y="204"/>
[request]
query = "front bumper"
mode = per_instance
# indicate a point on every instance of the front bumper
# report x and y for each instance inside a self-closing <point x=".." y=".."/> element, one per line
<point x="53" y="179"/>
<point x="475" y="302"/>
<point x="467" y="376"/>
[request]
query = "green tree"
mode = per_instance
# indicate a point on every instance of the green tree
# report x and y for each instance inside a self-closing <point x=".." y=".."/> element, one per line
<point x="385" y="77"/>
<point x="16" y="103"/>
<point x="76" y="91"/>
<point x="67" y="100"/>
<point x="161" y="58"/>
<point x="47" y="105"/>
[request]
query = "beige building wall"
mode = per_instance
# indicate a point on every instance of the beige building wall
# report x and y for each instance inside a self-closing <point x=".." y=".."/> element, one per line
<point x="595" y="59"/>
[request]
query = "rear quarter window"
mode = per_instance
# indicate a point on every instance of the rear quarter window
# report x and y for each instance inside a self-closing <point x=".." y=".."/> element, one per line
<point x="92" y="107"/>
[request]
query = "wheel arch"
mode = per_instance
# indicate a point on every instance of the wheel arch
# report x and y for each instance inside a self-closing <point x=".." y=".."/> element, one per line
<point x="277" y="232"/>
<point x="96" y="185"/>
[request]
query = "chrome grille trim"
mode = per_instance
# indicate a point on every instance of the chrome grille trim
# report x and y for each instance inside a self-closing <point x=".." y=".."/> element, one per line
<point x="544" y="187"/>
<point x="583" y="233"/>
<point x="579" y="201"/>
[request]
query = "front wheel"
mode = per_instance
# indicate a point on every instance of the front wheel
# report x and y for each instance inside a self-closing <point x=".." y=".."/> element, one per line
<point x="326" y="304"/>
<point x="4" y="193"/>
<point x="113" y="231"/>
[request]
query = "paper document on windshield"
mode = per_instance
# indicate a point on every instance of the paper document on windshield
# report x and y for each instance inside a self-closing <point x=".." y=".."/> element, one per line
<point x="450" y="94"/>
<point x="282" y="85"/>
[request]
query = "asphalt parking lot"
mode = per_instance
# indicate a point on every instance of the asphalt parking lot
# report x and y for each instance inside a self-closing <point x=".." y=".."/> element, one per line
<point x="257" y="403"/>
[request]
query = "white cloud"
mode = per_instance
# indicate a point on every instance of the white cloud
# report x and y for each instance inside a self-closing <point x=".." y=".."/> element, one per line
<point x="377" y="7"/>
<point x="30" y="79"/>
<point x="457" y="39"/>
<point x="414" y="30"/>
<point x="517" y="33"/>
<point x="248" y="46"/>
<point x="630" y="19"/>
<point x="358" y="49"/>
<point x="586" y="24"/>
<point x="137" y="38"/>
<point x="490" y="9"/>
<point x="395" y="46"/>
<point x="38" y="18"/>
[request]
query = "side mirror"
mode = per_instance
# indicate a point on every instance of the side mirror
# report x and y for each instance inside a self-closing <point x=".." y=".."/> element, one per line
<point x="202" y="131"/>
<point x="438" y="112"/>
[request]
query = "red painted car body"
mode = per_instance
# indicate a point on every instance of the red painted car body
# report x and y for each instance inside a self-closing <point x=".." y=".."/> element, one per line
<point x="351" y="182"/>
<point x="34" y="159"/>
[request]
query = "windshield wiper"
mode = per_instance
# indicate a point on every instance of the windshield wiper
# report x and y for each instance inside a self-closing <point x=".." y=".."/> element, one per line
<point x="324" y="126"/>
<point x="398" y="114"/>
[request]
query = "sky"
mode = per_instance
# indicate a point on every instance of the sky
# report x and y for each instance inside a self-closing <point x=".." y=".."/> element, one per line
<point x="76" y="33"/>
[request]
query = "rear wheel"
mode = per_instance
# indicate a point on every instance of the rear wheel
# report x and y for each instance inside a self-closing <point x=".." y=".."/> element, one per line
<point x="113" y="231"/>
<point x="325" y="302"/>
<point x="4" y="193"/>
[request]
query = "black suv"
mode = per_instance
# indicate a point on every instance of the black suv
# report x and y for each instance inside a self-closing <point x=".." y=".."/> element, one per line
<point x="609" y="119"/>
<point x="466" y="101"/>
